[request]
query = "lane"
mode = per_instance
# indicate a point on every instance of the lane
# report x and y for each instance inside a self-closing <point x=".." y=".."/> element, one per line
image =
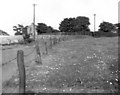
<point x="9" y="69"/>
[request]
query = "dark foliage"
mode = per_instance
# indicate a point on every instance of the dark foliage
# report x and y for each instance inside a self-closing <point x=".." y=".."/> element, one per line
<point x="67" y="25"/>
<point x="18" y="33"/>
<point x="75" y="25"/>
<point x="106" y="27"/>
<point x="104" y="34"/>
<point x="106" y="30"/>
<point x="117" y="25"/>
<point x="20" y="29"/>
<point x="43" y="28"/>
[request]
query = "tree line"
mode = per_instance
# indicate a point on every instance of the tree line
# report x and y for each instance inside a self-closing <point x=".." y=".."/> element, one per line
<point x="78" y="25"/>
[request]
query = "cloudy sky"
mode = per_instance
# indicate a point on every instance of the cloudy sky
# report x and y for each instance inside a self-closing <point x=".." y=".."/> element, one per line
<point x="52" y="12"/>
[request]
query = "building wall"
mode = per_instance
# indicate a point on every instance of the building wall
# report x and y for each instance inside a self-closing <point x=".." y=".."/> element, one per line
<point x="30" y="30"/>
<point x="10" y="39"/>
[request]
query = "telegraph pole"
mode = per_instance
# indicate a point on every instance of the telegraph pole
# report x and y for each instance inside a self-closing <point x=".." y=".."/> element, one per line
<point x="34" y="19"/>
<point x="94" y="21"/>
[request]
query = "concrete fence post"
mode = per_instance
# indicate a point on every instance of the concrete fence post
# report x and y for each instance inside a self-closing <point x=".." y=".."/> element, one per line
<point x="21" y="68"/>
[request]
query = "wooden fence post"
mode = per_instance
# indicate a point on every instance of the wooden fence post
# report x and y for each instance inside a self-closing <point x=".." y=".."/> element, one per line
<point x="50" y="46"/>
<point x="46" y="50"/>
<point x="59" y="39"/>
<point x="54" y="41"/>
<point x="21" y="68"/>
<point x="38" y="59"/>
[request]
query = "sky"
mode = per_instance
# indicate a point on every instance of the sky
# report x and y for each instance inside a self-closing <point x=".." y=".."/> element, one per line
<point x="52" y="12"/>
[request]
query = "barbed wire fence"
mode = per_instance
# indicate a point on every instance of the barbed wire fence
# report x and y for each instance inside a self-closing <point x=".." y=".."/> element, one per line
<point x="48" y="41"/>
<point x="16" y="57"/>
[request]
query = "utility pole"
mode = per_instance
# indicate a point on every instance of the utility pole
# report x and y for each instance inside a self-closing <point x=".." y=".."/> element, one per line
<point x="94" y="21"/>
<point x="119" y="20"/>
<point x="34" y="19"/>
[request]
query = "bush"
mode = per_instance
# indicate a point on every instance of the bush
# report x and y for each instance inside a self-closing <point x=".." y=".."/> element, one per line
<point x="108" y="34"/>
<point x="27" y="39"/>
<point x="104" y="34"/>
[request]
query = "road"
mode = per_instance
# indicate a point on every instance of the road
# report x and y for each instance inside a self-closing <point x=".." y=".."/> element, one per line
<point x="10" y="67"/>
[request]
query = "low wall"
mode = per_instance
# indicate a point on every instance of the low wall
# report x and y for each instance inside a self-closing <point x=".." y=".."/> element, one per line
<point x="10" y="39"/>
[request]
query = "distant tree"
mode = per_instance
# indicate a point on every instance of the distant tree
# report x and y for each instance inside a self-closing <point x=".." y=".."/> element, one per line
<point x="106" y="27"/>
<point x="118" y="28"/>
<point x="117" y="25"/>
<point x="18" y="29"/>
<point x="18" y="33"/>
<point x="55" y="31"/>
<point x="41" y="28"/>
<point x="22" y="30"/>
<point x="82" y="23"/>
<point x="67" y="25"/>
<point x="75" y="25"/>
<point x="49" y="29"/>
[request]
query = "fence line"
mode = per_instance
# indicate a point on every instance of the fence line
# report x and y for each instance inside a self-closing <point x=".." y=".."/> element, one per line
<point x="52" y="39"/>
<point x="21" y="67"/>
<point x="16" y="57"/>
<point x="20" y="59"/>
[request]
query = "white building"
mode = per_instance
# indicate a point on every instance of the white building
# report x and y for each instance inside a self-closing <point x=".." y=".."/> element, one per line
<point x="30" y="30"/>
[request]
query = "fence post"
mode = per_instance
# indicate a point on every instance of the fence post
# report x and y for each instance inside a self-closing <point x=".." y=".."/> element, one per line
<point x="54" y="41"/>
<point x="50" y="46"/>
<point x="46" y="50"/>
<point x="21" y="68"/>
<point x="38" y="59"/>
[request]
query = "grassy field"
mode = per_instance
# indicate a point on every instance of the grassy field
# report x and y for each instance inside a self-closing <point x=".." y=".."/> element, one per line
<point x="77" y="65"/>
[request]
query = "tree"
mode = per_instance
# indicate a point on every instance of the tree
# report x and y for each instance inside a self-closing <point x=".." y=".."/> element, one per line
<point x="41" y="28"/>
<point x="18" y="33"/>
<point x="74" y="25"/>
<point x="82" y="25"/>
<point x="55" y="31"/>
<point x="67" y="25"/>
<point x="22" y="30"/>
<point x="49" y="29"/>
<point x="18" y="29"/>
<point x="118" y="28"/>
<point x="106" y="27"/>
<point x="117" y="25"/>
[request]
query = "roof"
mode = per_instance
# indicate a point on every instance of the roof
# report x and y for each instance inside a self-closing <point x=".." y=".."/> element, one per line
<point x="3" y="33"/>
